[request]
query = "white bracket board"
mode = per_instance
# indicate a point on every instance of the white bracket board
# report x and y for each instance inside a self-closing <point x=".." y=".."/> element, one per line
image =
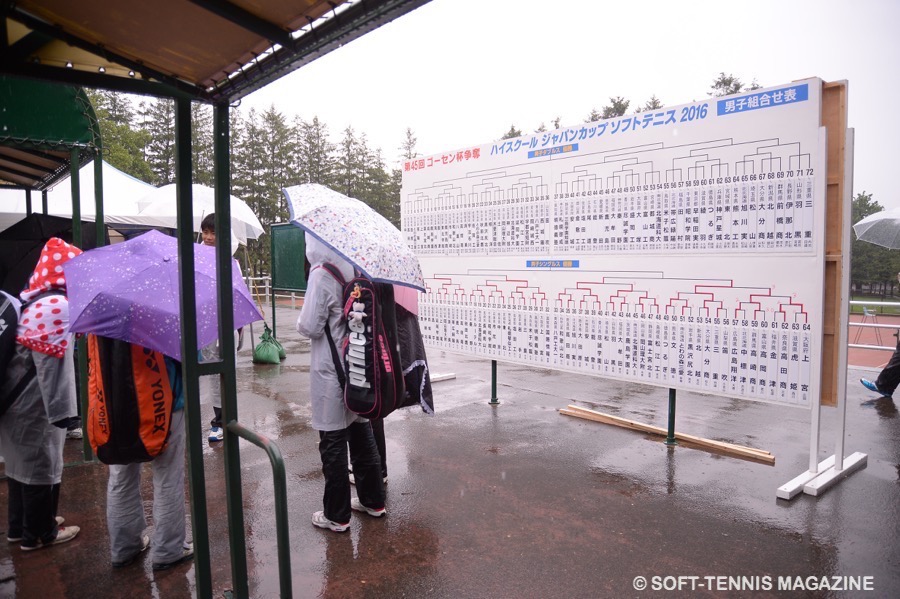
<point x="680" y="247"/>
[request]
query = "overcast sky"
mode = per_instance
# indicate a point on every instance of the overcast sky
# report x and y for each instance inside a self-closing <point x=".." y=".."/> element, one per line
<point x="460" y="72"/>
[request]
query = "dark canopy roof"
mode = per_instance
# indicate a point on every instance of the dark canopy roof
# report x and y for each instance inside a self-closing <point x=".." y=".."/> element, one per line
<point x="40" y="124"/>
<point x="208" y="50"/>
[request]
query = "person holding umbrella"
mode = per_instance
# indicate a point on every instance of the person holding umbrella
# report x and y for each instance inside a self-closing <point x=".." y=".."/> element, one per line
<point x="889" y="377"/>
<point x="40" y="381"/>
<point x="130" y="292"/>
<point x="210" y="352"/>
<point x="322" y="315"/>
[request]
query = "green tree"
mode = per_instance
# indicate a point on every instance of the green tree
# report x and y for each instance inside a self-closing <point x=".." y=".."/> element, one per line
<point x="872" y="268"/>
<point x="725" y="85"/>
<point x="123" y="140"/>
<point x="318" y="150"/>
<point x="653" y="103"/>
<point x="512" y="133"/>
<point x="248" y="182"/>
<point x="617" y="106"/>
<point x="383" y="195"/>
<point x="202" y="148"/>
<point x="278" y="146"/>
<point x="408" y="147"/>
<point x="158" y="121"/>
<point x="351" y="168"/>
<point x="395" y="183"/>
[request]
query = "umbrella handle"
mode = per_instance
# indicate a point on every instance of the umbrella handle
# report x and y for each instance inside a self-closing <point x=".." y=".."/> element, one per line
<point x="200" y="232"/>
<point x="254" y="287"/>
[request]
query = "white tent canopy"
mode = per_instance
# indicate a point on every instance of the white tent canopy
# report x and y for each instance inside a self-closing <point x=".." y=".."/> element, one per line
<point x="121" y="193"/>
<point x="128" y="201"/>
<point x="160" y="204"/>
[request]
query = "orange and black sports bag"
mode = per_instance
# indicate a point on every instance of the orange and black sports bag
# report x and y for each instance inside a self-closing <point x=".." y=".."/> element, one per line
<point x="130" y="401"/>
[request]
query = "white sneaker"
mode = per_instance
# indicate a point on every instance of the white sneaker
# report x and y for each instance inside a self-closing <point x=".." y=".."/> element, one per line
<point x="319" y="519"/>
<point x="13" y="539"/>
<point x="187" y="554"/>
<point x="356" y="504"/>
<point x="66" y="533"/>
<point x="145" y="543"/>
<point x="216" y="434"/>
<point x="75" y="433"/>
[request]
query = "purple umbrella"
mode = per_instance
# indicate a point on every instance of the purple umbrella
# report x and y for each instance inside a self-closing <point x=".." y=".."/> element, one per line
<point x="129" y="291"/>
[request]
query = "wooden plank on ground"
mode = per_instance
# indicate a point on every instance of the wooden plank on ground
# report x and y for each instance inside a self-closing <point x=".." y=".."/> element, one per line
<point x="661" y="431"/>
<point x="730" y="448"/>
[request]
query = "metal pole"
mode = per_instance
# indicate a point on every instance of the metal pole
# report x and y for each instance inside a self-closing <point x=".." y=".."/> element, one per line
<point x="80" y="343"/>
<point x="75" y="176"/>
<point x="228" y="385"/>
<point x="98" y="198"/>
<point x="189" y="358"/>
<point x="670" y="437"/>
<point x="494" y="400"/>
<point x="28" y="202"/>
<point x="44" y="201"/>
<point x="272" y="289"/>
<point x="281" y="512"/>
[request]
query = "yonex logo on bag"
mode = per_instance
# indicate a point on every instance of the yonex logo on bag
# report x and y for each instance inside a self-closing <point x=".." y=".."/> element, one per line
<point x="159" y="395"/>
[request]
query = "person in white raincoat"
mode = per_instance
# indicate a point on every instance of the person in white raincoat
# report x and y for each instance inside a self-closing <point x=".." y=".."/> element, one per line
<point x="40" y="380"/>
<point x="338" y="427"/>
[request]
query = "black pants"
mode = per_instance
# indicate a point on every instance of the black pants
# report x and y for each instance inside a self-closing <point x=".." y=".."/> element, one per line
<point x="378" y="431"/>
<point x="890" y="376"/>
<point x="366" y="469"/>
<point x="32" y="512"/>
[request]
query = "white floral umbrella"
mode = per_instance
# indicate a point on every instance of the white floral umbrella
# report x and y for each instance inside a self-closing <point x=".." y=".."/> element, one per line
<point x="355" y="231"/>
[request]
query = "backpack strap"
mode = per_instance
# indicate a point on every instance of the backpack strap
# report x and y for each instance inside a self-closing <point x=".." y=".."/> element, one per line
<point x="334" y="271"/>
<point x="42" y="296"/>
<point x="335" y="355"/>
<point x="9" y="398"/>
<point x="13" y="394"/>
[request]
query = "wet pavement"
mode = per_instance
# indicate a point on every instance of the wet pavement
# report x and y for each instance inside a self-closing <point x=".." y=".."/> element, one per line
<point x="517" y="500"/>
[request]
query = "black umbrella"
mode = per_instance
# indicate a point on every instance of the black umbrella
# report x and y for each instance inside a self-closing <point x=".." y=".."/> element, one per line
<point x="21" y="245"/>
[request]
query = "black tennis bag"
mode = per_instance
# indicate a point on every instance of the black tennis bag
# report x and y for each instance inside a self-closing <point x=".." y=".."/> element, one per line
<point x="368" y="364"/>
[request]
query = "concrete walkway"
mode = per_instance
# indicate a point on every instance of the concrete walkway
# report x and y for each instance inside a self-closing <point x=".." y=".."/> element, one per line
<point x="517" y="500"/>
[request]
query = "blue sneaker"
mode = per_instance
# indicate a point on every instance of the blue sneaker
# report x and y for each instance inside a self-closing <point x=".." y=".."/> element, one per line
<point x="873" y="387"/>
<point x="216" y="434"/>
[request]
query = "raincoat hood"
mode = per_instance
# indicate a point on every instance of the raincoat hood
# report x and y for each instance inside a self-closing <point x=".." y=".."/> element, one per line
<point x="318" y="254"/>
<point x="44" y="324"/>
<point x="323" y="308"/>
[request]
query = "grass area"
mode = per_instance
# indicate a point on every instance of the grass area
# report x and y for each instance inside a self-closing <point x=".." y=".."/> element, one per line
<point x="874" y="298"/>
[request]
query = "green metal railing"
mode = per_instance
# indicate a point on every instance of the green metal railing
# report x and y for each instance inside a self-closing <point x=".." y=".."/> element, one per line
<point x="281" y="513"/>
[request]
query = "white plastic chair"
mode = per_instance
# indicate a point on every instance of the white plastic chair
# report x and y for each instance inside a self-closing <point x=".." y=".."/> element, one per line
<point x="869" y="313"/>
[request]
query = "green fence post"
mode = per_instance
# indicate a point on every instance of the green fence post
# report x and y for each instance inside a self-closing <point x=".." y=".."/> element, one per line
<point x="189" y="359"/>
<point x="670" y="438"/>
<point x="494" y="401"/>
<point x="272" y="288"/>
<point x="228" y="387"/>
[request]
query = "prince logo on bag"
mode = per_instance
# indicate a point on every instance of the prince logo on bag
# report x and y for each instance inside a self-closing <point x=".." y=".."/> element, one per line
<point x="368" y="364"/>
